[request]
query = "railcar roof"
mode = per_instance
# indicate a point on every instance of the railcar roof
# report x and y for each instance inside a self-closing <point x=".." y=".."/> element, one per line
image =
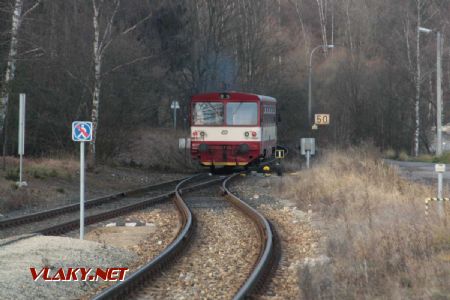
<point x="234" y="96"/>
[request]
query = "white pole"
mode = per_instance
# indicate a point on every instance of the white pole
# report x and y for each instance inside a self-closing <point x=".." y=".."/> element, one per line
<point x="307" y="159"/>
<point x="440" y="203"/>
<point x="81" y="190"/>
<point x="439" y="94"/>
<point x="20" y="170"/>
<point x="21" y="150"/>
<point x="174" y="114"/>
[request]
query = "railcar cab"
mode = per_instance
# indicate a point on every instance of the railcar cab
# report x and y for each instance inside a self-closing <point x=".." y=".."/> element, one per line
<point x="232" y="129"/>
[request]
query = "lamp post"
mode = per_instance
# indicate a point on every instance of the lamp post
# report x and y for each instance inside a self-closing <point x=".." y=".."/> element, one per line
<point x="439" y="43"/>
<point x="310" y="79"/>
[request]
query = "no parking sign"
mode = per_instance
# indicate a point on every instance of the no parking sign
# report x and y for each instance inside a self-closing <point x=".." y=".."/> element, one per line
<point x="81" y="131"/>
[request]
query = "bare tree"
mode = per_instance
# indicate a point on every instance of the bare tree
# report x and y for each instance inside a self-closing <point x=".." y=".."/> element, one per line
<point x="322" y="7"/>
<point x="101" y="42"/>
<point x="17" y="17"/>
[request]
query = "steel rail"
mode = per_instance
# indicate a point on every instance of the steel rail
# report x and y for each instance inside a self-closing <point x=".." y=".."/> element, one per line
<point x="29" y="218"/>
<point x="123" y="288"/>
<point x="263" y="264"/>
<point x="74" y="224"/>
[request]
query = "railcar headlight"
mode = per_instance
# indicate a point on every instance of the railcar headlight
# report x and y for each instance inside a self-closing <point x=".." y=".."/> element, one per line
<point x="243" y="149"/>
<point x="247" y="134"/>
<point x="202" y="133"/>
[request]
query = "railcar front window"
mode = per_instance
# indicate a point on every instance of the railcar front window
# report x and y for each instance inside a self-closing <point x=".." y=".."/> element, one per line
<point x="207" y="113"/>
<point x="242" y="113"/>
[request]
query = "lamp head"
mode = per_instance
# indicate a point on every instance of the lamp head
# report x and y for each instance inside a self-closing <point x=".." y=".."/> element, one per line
<point x="425" y="30"/>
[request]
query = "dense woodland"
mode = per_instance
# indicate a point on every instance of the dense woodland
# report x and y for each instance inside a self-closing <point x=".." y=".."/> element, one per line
<point x="121" y="63"/>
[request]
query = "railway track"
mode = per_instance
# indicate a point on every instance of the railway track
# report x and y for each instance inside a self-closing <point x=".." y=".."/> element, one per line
<point x="266" y="262"/>
<point x="259" y="270"/>
<point x="66" y="217"/>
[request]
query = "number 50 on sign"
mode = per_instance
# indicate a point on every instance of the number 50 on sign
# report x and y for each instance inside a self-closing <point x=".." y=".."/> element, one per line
<point x="322" y="119"/>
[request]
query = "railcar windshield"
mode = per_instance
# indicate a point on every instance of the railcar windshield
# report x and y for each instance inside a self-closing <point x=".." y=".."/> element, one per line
<point x="242" y="113"/>
<point x="207" y="113"/>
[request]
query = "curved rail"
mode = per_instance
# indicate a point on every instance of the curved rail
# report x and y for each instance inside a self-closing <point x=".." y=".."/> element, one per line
<point x="29" y="218"/>
<point x="119" y="290"/>
<point x="263" y="264"/>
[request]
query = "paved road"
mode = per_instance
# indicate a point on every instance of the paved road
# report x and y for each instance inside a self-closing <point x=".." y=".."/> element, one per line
<point x="419" y="171"/>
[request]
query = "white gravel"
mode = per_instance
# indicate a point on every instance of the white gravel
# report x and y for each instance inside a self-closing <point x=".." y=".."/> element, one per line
<point x="17" y="257"/>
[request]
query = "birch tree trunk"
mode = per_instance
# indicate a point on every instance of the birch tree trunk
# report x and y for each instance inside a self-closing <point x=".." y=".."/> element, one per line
<point x="97" y="82"/>
<point x="10" y="68"/>
<point x="100" y="44"/>
<point x="418" y="80"/>
<point x="10" y="73"/>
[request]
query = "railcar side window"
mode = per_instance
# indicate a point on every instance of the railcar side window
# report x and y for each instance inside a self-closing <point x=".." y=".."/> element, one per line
<point x="242" y="113"/>
<point x="207" y="113"/>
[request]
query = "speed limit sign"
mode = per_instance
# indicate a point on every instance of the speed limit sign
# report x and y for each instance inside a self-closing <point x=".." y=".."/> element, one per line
<point x="322" y="119"/>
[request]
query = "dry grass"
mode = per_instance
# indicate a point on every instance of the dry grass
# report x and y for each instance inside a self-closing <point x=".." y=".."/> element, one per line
<point x="42" y="168"/>
<point x="380" y="243"/>
<point x="156" y="149"/>
<point x="12" y="198"/>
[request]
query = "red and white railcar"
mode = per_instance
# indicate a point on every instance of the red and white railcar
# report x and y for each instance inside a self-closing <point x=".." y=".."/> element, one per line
<point x="232" y="129"/>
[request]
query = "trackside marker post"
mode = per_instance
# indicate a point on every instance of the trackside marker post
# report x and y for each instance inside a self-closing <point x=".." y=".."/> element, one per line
<point x="440" y="169"/>
<point x="82" y="132"/>
<point x="175" y="105"/>
<point x="21" y="148"/>
<point x="308" y="148"/>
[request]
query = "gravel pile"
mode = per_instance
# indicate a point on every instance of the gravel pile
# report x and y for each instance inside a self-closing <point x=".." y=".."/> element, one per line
<point x="299" y="239"/>
<point x="222" y="253"/>
<point x="17" y="257"/>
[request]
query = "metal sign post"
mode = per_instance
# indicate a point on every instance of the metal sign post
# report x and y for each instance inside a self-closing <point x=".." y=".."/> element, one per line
<point x="308" y="155"/>
<point x="82" y="132"/>
<point x="21" y="148"/>
<point x="440" y="169"/>
<point x="175" y="105"/>
<point x="308" y="148"/>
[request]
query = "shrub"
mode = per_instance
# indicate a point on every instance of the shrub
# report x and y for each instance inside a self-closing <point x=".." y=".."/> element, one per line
<point x="443" y="159"/>
<point x="12" y="174"/>
<point x="390" y="153"/>
<point x="403" y="156"/>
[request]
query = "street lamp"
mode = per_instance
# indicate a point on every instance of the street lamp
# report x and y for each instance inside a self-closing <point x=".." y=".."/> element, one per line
<point x="439" y="42"/>
<point x="310" y="79"/>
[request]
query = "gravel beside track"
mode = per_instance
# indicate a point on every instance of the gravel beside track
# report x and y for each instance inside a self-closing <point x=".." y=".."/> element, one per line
<point x="167" y="225"/>
<point x="299" y="239"/>
<point x="164" y="219"/>
<point x="16" y="258"/>
<point x="222" y="254"/>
